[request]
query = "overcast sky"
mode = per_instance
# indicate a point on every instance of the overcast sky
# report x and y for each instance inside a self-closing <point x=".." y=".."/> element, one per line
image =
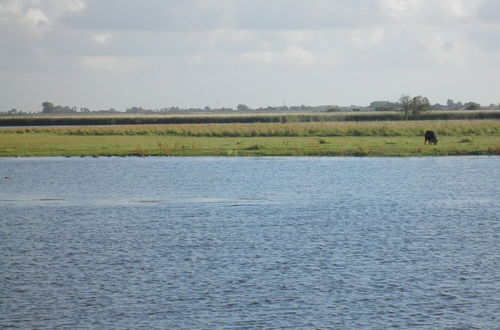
<point x="194" y="53"/>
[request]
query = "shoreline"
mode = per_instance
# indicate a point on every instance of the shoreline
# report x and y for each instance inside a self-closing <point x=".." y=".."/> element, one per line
<point x="248" y="157"/>
<point x="46" y="145"/>
<point x="362" y="139"/>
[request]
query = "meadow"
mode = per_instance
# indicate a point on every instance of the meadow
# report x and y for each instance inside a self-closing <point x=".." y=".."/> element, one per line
<point x="341" y="138"/>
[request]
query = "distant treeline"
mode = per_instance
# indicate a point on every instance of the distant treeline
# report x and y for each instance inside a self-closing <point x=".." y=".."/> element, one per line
<point x="224" y="119"/>
<point x="48" y="108"/>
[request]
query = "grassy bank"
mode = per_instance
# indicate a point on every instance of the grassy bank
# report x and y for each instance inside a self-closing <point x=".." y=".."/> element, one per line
<point x="125" y="119"/>
<point x="290" y="139"/>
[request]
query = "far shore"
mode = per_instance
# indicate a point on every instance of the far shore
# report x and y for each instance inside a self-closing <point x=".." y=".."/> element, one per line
<point x="378" y="139"/>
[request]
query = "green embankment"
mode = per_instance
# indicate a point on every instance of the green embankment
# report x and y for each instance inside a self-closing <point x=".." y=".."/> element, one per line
<point x="474" y="137"/>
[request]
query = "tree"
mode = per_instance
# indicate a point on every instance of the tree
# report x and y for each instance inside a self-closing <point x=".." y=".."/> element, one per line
<point x="242" y="107"/>
<point x="383" y="105"/>
<point x="414" y="105"/>
<point x="405" y="101"/>
<point x="48" y="107"/>
<point x="472" y="106"/>
<point x="334" y="108"/>
<point x="419" y="104"/>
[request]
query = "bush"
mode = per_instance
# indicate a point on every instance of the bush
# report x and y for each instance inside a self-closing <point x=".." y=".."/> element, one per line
<point x="465" y="140"/>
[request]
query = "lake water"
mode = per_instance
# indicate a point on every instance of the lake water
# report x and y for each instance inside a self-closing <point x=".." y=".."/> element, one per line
<point x="203" y="243"/>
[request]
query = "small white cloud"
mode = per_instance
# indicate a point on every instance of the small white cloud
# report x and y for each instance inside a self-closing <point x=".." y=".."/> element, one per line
<point x="460" y="9"/>
<point x="445" y="48"/>
<point x="232" y="35"/>
<point x="56" y="8"/>
<point x="102" y="38"/>
<point x="110" y="63"/>
<point x="367" y="38"/>
<point x="331" y="61"/>
<point x="292" y="56"/>
<point x="75" y="5"/>
<point x="262" y="57"/>
<point x="9" y="9"/>
<point x="400" y="9"/>
<point x="294" y="36"/>
<point x="298" y="56"/>
<point x="197" y="60"/>
<point x="35" y="17"/>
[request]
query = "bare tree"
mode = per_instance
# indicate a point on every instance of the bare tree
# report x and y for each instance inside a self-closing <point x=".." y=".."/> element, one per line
<point x="405" y="101"/>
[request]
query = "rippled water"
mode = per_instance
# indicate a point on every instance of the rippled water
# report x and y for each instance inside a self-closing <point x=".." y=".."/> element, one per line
<point x="250" y="242"/>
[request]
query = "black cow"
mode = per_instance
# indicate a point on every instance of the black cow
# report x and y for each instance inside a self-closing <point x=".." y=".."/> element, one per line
<point x="430" y="137"/>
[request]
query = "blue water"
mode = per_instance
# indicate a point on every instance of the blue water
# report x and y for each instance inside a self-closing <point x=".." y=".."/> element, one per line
<point x="204" y="243"/>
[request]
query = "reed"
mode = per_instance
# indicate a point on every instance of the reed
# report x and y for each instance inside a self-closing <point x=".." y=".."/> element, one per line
<point x="124" y="119"/>
<point x="299" y="129"/>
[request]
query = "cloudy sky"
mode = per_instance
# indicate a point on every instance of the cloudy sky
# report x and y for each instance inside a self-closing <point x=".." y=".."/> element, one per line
<point x="194" y="53"/>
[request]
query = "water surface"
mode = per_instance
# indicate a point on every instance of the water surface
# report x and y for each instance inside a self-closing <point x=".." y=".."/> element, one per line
<point x="250" y="242"/>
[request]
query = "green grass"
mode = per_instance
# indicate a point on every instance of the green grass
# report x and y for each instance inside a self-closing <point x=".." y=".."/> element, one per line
<point x="478" y="137"/>
<point x="46" y="144"/>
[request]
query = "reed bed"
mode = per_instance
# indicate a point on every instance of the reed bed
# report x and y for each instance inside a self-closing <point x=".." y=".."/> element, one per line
<point x="297" y="129"/>
<point x="127" y="119"/>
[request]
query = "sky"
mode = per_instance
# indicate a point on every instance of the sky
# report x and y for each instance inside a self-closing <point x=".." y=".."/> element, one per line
<point x="104" y="54"/>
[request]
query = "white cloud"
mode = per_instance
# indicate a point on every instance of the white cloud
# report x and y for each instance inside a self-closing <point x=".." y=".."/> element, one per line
<point x="401" y="9"/>
<point x="294" y="36"/>
<point x="57" y="8"/>
<point x="297" y="56"/>
<point x="9" y="9"/>
<point x="102" y="38"/>
<point x="35" y="17"/>
<point x="365" y="39"/>
<point x="461" y="9"/>
<point x="74" y="5"/>
<point x="261" y="57"/>
<point x="110" y="63"/>
<point x="447" y="48"/>
<point x="292" y="56"/>
<point x="430" y="12"/>
<point x="330" y="61"/>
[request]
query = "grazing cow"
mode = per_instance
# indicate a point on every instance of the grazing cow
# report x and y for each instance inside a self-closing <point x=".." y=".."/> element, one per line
<point x="430" y="137"/>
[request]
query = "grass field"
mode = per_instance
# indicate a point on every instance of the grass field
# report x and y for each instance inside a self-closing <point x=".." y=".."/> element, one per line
<point x="477" y="137"/>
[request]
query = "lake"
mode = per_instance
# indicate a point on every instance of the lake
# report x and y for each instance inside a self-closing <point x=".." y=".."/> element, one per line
<point x="203" y="243"/>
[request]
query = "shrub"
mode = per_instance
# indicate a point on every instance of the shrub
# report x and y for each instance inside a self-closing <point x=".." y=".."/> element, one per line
<point x="465" y="140"/>
<point x="255" y="147"/>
